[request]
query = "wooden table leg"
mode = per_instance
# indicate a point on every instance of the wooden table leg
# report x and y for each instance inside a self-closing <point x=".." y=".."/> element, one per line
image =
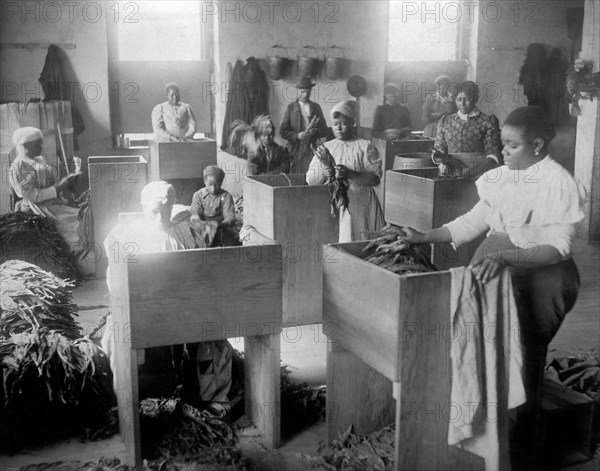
<point x="262" y="379"/>
<point x="356" y="394"/>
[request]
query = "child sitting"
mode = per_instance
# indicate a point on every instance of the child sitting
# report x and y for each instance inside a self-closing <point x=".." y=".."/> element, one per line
<point x="212" y="210"/>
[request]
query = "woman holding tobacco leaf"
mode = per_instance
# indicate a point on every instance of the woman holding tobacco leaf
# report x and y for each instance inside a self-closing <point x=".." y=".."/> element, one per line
<point x="352" y="167"/>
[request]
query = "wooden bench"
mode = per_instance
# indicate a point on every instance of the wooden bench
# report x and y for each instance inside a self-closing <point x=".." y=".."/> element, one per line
<point x="199" y="295"/>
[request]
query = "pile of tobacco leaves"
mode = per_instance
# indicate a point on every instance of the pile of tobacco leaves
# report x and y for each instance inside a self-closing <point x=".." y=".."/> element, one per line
<point x="32" y="238"/>
<point x="357" y="452"/>
<point x="54" y="382"/>
<point x="301" y="404"/>
<point x="389" y="251"/>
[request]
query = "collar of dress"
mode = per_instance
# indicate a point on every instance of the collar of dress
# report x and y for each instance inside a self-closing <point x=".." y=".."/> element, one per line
<point x="472" y="114"/>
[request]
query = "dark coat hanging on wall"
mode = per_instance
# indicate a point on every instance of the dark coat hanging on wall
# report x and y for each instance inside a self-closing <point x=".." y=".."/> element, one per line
<point x="55" y="87"/>
<point x="247" y="96"/>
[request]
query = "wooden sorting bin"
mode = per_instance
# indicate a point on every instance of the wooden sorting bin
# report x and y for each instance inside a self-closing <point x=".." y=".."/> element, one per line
<point x="298" y="217"/>
<point x="236" y="171"/>
<point x="389" y="149"/>
<point x="388" y="343"/>
<point x="200" y="295"/>
<point x="116" y="184"/>
<point x="418" y="199"/>
<point x="413" y="161"/>
<point x="174" y="160"/>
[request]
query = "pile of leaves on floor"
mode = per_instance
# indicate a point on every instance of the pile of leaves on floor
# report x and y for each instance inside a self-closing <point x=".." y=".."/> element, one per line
<point x="178" y="432"/>
<point x="388" y="251"/>
<point x="34" y="239"/>
<point x="54" y="382"/>
<point x="582" y="374"/>
<point x="302" y="405"/>
<point x="357" y="452"/>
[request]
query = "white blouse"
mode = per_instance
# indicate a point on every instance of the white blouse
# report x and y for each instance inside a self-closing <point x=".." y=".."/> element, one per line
<point x="539" y="205"/>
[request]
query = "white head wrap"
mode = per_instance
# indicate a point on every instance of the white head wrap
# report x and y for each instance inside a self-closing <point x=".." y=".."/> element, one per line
<point x="27" y="134"/>
<point x="347" y="108"/>
<point x="156" y="192"/>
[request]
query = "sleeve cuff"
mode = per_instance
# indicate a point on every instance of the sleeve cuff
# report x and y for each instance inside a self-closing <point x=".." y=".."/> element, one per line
<point x="47" y="194"/>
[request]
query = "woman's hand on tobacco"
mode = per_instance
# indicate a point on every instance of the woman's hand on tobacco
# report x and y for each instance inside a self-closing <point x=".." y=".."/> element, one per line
<point x="412" y="235"/>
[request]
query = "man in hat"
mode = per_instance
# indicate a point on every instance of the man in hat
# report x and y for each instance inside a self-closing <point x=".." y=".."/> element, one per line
<point x="392" y="119"/>
<point x="303" y="124"/>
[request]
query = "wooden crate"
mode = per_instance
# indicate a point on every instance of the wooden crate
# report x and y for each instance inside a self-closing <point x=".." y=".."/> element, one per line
<point x="185" y="160"/>
<point x="418" y="199"/>
<point x="236" y="171"/>
<point x="199" y="295"/>
<point x="388" y="150"/>
<point x="116" y="183"/>
<point x="298" y="217"/>
<point x="413" y="161"/>
<point x="389" y="342"/>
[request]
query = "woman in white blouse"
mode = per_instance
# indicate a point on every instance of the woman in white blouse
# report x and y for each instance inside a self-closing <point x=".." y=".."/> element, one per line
<point x="528" y="208"/>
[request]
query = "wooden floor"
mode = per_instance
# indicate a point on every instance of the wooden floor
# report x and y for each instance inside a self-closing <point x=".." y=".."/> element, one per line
<point x="580" y="332"/>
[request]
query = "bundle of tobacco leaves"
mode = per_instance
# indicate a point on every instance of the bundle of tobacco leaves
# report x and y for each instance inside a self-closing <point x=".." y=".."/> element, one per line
<point x="54" y="382"/>
<point x="29" y="237"/>
<point x="338" y="187"/>
<point x="357" y="452"/>
<point x="301" y="405"/>
<point x="173" y="429"/>
<point x="388" y="251"/>
<point x="448" y="167"/>
<point x="31" y="298"/>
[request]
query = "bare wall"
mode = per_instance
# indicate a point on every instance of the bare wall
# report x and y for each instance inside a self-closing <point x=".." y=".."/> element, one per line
<point x="46" y="22"/>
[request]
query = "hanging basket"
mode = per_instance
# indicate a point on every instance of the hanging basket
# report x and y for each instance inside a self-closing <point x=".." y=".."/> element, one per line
<point x="335" y="66"/>
<point x="308" y="66"/>
<point x="276" y="63"/>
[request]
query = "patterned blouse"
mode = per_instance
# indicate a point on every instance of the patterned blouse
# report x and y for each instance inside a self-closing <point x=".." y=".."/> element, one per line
<point x="477" y="133"/>
<point x="173" y="123"/>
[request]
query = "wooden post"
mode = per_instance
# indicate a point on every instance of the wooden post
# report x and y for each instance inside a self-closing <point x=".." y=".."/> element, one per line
<point x="587" y="147"/>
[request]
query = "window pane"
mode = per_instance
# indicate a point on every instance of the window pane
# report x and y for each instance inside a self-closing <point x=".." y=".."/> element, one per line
<point x="165" y="31"/>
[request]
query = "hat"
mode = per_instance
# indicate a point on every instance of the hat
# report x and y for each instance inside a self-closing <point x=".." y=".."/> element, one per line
<point x="347" y="108"/>
<point x="27" y="134"/>
<point x="216" y="171"/>
<point x="156" y="192"/>
<point x="442" y="79"/>
<point x="304" y="83"/>
<point x="390" y="87"/>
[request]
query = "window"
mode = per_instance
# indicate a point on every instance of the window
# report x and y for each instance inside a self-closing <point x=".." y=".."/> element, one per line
<point x="423" y="31"/>
<point x="161" y="31"/>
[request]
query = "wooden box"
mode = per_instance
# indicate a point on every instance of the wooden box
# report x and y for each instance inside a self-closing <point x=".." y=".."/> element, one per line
<point x="388" y="150"/>
<point x="418" y="199"/>
<point x="236" y="171"/>
<point x="116" y="184"/>
<point x="298" y="217"/>
<point x="187" y="296"/>
<point x="388" y="343"/>
<point x="173" y="160"/>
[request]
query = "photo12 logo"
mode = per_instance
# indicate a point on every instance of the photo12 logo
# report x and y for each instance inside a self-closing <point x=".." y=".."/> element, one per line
<point x="270" y="12"/>
<point x="54" y="12"/>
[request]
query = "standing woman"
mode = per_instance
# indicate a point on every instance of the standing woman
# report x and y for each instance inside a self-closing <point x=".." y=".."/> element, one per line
<point x="438" y="105"/>
<point x="358" y="162"/>
<point x="173" y="120"/>
<point x="528" y="208"/>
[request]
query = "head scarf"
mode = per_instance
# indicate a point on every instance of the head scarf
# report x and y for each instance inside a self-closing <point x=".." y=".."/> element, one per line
<point x="347" y="108"/>
<point x="24" y="135"/>
<point x="217" y="172"/>
<point x="442" y="79"/>
<point x="390" y="87"/>
<point x="155" y="193"/>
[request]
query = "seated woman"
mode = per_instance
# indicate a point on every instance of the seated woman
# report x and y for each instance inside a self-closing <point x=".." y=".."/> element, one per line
<point x="34" y="180"/>
<point x="392" y="119"/>
<point x="470" y="130"/>
<point x="438" y="105"/>
<point x="529" y="208"/>
<point x="266" y="156"/>
<point x="210" y="378"/>
<point x="358" y="162"/>
<point x="173" y="121"/>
